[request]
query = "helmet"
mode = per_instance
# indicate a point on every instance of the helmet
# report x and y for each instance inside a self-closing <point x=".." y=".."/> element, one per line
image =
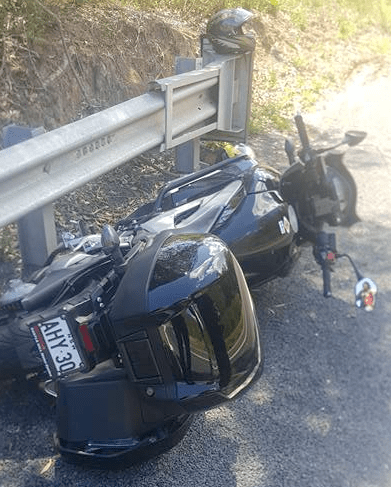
<point x="224" y="31"/>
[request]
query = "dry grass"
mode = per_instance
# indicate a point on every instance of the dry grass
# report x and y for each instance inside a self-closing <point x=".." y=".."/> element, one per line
<point x="102" y="54"/>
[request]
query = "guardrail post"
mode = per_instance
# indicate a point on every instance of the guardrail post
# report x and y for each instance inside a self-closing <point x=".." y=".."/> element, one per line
<point x="188" y="154"/>
<point x="37" y="238"/>
<point x="36" y="230"/>
<point x="234" y="98"/>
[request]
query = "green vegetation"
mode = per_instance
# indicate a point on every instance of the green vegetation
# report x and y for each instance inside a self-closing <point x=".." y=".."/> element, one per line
<point x="269" y="115"/>
<point x="349" y="13"/>
<point x="200" y="7"/>
<point x="378" y="11"/>
<point x="29" y="14"/>
<point x="303" y="55"/>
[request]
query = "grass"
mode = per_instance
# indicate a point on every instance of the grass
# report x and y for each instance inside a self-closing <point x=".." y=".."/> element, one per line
<point x="34" y="19"/>
<point x="380" y="45"/>
<point x="344" y="18"/>
<point x="378" y="11"/>
<point x="350" y="13"/>
<point x="270" y="115"/>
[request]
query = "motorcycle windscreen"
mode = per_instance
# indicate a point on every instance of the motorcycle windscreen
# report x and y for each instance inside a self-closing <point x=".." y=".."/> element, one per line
<point x="212" y="343"/>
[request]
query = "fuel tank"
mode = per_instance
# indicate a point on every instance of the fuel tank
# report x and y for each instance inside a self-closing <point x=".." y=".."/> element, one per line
<point x="260" y="229"/>
<point x="239" y="202"/>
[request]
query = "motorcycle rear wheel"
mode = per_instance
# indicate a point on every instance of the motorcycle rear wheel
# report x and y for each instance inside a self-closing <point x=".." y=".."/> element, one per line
<point x="14" y="339"/>
<point x="165" y="438"/>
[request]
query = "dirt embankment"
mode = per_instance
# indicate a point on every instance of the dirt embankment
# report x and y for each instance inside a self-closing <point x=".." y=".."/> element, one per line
<point x="60" y="64"/>
<point x="85" y="60"/>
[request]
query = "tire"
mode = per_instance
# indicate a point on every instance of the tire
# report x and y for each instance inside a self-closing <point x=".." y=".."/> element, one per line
<point x="171" y="433"/>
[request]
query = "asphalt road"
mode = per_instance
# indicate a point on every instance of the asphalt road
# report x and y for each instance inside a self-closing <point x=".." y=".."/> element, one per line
<point x="321" y="413"/>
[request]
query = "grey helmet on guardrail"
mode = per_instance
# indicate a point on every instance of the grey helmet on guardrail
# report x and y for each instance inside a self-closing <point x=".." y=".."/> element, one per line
<point x="225" y="32"/>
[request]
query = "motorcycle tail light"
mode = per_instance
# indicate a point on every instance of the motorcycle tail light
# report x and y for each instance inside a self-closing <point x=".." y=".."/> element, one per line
<point x="85" y="334"/>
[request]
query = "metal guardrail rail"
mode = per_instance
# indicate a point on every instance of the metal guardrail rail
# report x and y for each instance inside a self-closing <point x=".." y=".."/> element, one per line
<point x="40" y="170"/>
<point x="178" y="109"/>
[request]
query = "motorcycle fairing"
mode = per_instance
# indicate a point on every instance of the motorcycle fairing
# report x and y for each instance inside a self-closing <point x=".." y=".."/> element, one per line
<point x="236" y="200"/>
<point x="203" y="183"/>
<point x="192" y="316"/>
<point x="187" y="333"/>
<point x="190" y="187"/>
<point x="105" y="420"/>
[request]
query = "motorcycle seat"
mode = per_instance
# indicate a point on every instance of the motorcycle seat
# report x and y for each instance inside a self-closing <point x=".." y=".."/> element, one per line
<point x="198" y="215"/>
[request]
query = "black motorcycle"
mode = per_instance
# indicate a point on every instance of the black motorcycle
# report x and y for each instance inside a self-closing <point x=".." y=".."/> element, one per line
<point x="137" y="328"/>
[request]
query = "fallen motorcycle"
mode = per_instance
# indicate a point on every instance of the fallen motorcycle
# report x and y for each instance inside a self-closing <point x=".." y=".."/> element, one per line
<point x="136" y="329"/>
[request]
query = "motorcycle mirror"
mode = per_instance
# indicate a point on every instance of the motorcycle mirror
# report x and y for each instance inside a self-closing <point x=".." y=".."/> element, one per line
<point x="365" y="291"/>
<point x="354" y="137"/>
<point x="111" y="244"/>
<point x="109" y="237"/>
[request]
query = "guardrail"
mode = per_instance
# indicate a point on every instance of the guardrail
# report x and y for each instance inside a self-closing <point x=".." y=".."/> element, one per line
<point x="177" y="109"/>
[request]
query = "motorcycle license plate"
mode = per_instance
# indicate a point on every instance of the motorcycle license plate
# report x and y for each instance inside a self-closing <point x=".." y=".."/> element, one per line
<point x="57" y="347"/>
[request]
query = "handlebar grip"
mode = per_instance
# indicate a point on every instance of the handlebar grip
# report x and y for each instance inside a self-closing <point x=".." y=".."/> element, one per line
<point x="302" y="131"/>
<point x="326" y="280"/>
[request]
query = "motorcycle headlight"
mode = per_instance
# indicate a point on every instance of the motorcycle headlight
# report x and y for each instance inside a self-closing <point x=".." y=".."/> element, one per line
<point x="293" y="219"/>
<point x="344" y="189"/>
